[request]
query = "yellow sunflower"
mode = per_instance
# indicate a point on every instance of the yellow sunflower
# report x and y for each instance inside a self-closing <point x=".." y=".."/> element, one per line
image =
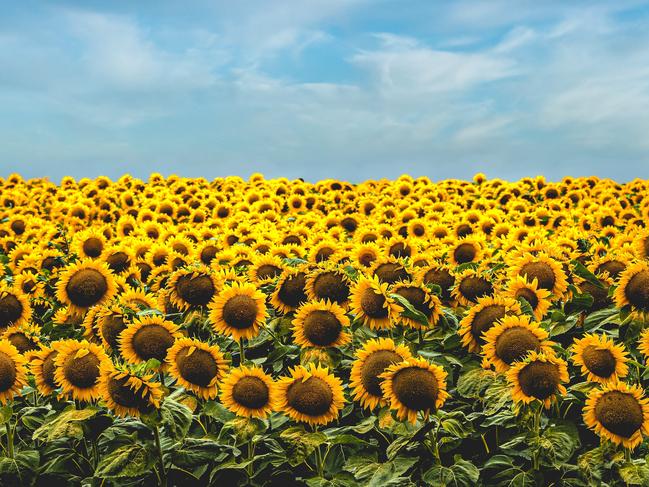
<point x="13" y="372"/>
<point x="239" y="311"/>
<point x="633" y="288"/>
<point x="470" y="285"/>
<point x="519" y="288"/>
<point x="290" y="291"/>
<point x="85" y="284"/>
<point x="25" y="337"/>
<point x="248" y="392"/>
<point x="618" y="412"/>
<point x="371" y="304"/>
<point x="192" y="287"/>
<point x="197" y="366"/>
<point x="320" y="324"/>
<point x="538" y="376"/>
<point x="310" y="395"/>
<point x="148" y="337"/>
<point x="126" y="394"/>
<point x="43" y="367"/>
<point x="414" y="386"/>
<point x="89" y="244"/>
<point x="482" y="316"/>
<point x="77" y="368"/>
<point x="328" y="283"/>
<point x="512" y="339"/>
<point x="422" y="299"/>
<point x="546" y="270"/>
<point x="372" y="360"/>
<point x="14" y="307"/>
<point x="600" y="358"/>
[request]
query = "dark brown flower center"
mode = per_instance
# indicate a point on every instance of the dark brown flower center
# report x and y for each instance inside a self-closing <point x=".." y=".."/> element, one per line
<point x="417" y="297"/>
<point x="322" y="328"/>
<point x="86" y="287"/>
<point x="124" y="395"/>
<point x="373" y="366"/>
<point x="366" y="258"/>
<point x="416" y="388"/>
<point x="93" y="247"/>
<point x="599" y="361"/>
<point x="485" y="319"/>
<point x="11" y="310"/>
<point x="22" y="342"/>
<point x="441" y="277"/>
<point x="373" y="304"/>
<point x="268" y="271"/>
<point x="198" y="368"/>
<point x="118" y="262"/>
<point x="529" y="296"/>
<point x="514" y="344"/>
<point x="613" y="267"/>
<point x="324" y="253"/>
<point x="292" y="292"/>
<point x="464" y="253"/>
<point x="7" y="372"/>
<point x="208" y="253"/>
<point x="331" y="286"/>
<point x="637" y="290"/>
<point x="48" y="369"/>
<point x="240" y="312"/>
<point x="539" y="379"/>
<point x="312" y="397"/>
<point x="474" y="287"/>
<point x="196" y="290"/>
<point x="391" y="273"/>
<point x="541" y="271"/>
<point x="250" y="392"/>
<point x="620" y="413"/>
<point x="152" y="341"/>
<point x="81" y="372"/>
<point x="111" y="327"/>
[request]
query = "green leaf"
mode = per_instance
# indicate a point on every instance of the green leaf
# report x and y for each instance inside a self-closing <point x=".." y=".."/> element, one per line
<point x="390" y="472"/>
<point x="300" y="443"/>
<point x="472" y="383"/>
<point x="361" y="466"/>
<point x="461" y="474"/>
<point x="68" y="424"/>
<point x="126" y="461"/>
<point x="409" y="311"/>
<point x="5" y="414"/>
<point x="559" y="442"/>
<point x="581" y="270"/>
<point x="21" y="469"/>
<point x="635" y="473"/>
<point x="526" y="307"/>
<point x="193" y="452"/>
<point x="176" y="418"/>
<point x="217" y="411"/>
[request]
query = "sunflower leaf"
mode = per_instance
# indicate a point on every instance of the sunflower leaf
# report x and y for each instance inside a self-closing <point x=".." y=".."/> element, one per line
<point x="126" y="461"/>
<point x="461" y="474"/>
<point x="582" y="271"/>
<point x="409" y="311"/>
<point x="176" y="418"/>
<point x="68" y="424"/>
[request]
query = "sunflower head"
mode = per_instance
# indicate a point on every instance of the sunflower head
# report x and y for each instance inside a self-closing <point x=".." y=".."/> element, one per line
<point x="546" y="270"/>
<point x="127" y="393"/>
<point x="43" y="367"/>
<point x="239" y="311"/>
<point x="13" y="372"/>
<point x="320" y="324"/>
<point x="330" y="284"/>
<point x="482" y="316"/>
<point x="290" y="291"/>
<point x="85" y="284"/>
<point x="422" y="299"/>
<point x="77" y="368"/>
<point x="633" y="288"/>
<point x="538" y="377"/>
<point x="248" y="392"/>
<point x="149" y="337"/>
<point x="536" y="297"/>
<point x="197" y="366"/>
<point x="191" y="288"/>
<point x="390" y="270"/>
<point x="370" y="303"/>
<point x="600" y="358"/>
<point x="14" y="307"/>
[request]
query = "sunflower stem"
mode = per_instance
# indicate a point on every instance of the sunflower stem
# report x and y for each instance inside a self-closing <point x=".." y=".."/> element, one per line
<point x="420" y="334"/>
<point x="536" y="425"/>
<point x="242" y="352"/>
<point x="163" y="473"/>
<point x="627" y="455"/>
<point x="251" y="456"/>
<point x="10" y="440"/>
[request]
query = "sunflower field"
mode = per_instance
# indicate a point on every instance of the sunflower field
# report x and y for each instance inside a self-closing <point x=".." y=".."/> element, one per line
<point x="180" y="332"/>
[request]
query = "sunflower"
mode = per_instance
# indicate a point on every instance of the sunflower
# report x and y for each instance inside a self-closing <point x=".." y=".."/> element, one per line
<point x="14" y="307"/>
<point x="265" y="269"/>
<point x="290" y="291"/>
<point x="371" y="361"/>
<point x="511" y="340"/>
<point x="239" y="310"/>
<point x="643" y="343"/>
<point x="328" y="283"/>
<point x="482" y="316"/>
<point x="470" y="285"/>
<point x="600" y="358"/>
<point x="545" y="269"/>
<point x="438" y="275"/>
<point x="633" y="288"/>
<point x="85" y="284"/>
<point x="192" y="287"/>
<point x="519" y="288"/>
<point x="310" y="395"/>
<point x="89" y="244"/>
<point x="197" y="366"/>
<point x="43" y="367"/>
<point x="126" y="394"/>
<point x="618" y="412"/>
<point x="414" y="386"/>
<point x="422" y="300"/>
<point x="13" y="372"/>
<point x="538" y="376"/>
<point x="109" y="323"/>
<point x="371" y="304"/>
<point x="149" y="337"/>
<point x="320" y="324"/>
<point x="29" y="284"/>
<point x="25" y="337"/>
<point x="365" y="254"/>
<point x="465" y="250"/>
<point x="390" y="270"/>
<point x="248" y="392"/>
<point x="77" y="368"/>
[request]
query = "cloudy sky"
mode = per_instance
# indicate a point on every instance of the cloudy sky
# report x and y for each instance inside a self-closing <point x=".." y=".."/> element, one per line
<point x="350" y="89"/>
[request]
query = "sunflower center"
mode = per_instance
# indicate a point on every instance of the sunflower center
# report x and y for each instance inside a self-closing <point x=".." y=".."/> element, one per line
<point x="48" y="369"/>
<point x="251" y="392"/>
<point x="240" y="312"/>
<point x="599" y="361"/>
<point x="86" y="287"/>
<point x="391" y="273"/>
<point x="93" y="247"/>
<point x="323" y="254"/>
<point x="152" y="341"/>
<point x="197" y="290"/>
<point x="373" y="366"/>
<point x="199" y="367"/>
<point x="416" y="388"/>
<point x="443" y="278"/>
<point x="208" y="254"/>
<point x="620" y="413"/>
<point x="539" y="379"/>
<point x="416" y="297"/>
<point x="268" y="271"/>
<point x="541" y="271"/>
<point x="7" y="372"/>
<point x="484" y="319"/>
<point x="332" y="286"/>
<point x="81" y="372"/>
<point x="373" y="304"/>
<point x="22" y="342"/>
<point x="111" y="327"/>
<point x="11" y="310"/>
<point x="529" y="296"/>
<point x="474" y="287"/>
<point x="637" y="290"/>
<point x="312" y="397"/>
<point x="514" y="343"/>
<point x="322" y="328"/>
<point x="118" y="262"/>
<point x="123" y="395"/>
<point x="464" y="253"/>
<point x="291" y="292"/>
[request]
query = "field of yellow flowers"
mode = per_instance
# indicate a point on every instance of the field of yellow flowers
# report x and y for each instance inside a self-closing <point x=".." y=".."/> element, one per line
<point x="272" y="332"/>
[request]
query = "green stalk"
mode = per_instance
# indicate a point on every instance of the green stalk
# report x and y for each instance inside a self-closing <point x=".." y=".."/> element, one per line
<point x="536" y="425"/>
<point x="163" y="473"/>
<point x="242" y="352"/>
<point x="10" y="440"/>
<point x="251" y="456"/>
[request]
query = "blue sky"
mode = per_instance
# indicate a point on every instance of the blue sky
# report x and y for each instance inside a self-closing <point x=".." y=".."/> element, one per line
<point x="349" y="89"/>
